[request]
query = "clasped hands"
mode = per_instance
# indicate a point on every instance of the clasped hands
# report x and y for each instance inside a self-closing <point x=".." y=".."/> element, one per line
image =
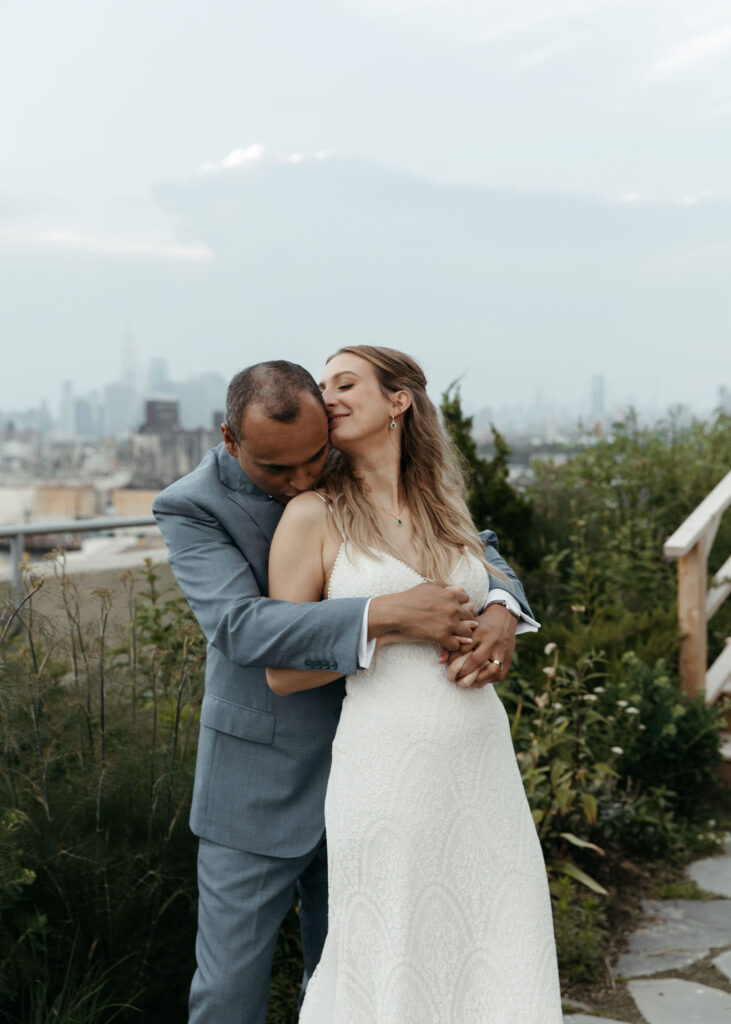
<point x="478" y="648"/>
<point x="486" y="655"/>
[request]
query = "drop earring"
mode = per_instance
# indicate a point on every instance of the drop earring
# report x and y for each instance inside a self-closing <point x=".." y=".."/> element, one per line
<point x="393" y="422"/>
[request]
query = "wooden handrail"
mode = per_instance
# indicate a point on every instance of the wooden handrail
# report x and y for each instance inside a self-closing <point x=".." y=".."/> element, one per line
<point x="697" y="603"/>
<point x="697" y="524"/>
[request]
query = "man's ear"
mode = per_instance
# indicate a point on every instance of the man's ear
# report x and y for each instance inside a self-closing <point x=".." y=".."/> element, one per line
<point x="229" y="440"/>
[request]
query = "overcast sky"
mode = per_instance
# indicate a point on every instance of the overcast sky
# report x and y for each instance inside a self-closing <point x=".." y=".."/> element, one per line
<point x="155" y="157"/>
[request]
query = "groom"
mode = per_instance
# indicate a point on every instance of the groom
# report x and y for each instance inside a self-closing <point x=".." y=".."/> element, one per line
<point x="263" y="760"/>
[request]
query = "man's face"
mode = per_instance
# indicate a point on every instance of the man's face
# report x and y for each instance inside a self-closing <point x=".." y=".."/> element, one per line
<point x="281" y="458"/>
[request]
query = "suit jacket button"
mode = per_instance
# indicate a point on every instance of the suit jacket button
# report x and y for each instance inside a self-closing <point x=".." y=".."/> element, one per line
<point x="308" y="663"/>
<point x="333" y="665"/>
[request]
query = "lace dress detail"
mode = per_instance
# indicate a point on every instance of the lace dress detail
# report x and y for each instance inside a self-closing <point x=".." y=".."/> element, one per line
<point x="439" y="910"/>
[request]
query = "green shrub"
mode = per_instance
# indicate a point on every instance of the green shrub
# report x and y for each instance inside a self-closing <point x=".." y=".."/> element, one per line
<point x="99" y="750"/>
<point x="669" y="740"/>
<point x="579" y="924"/>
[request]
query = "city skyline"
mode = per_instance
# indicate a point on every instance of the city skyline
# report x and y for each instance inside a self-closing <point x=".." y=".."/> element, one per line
<point x="116" y="408"/>
<point x="525" y="194"/>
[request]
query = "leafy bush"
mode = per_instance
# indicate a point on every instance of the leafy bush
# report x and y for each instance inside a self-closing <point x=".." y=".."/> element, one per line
<point x="579" y="924"/>
<point x="99" y="749"/>
<point x="98" y="731"/>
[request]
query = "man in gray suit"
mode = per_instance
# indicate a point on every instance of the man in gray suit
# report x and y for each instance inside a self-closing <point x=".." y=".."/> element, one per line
<point x="263" y="760"/>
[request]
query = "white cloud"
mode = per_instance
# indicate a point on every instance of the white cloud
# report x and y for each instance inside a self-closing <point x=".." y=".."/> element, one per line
<point x="694" y="51"/>
<point x="257" y="154"/>
<point x="630" y="198"/>
<point x="69" y="241"/>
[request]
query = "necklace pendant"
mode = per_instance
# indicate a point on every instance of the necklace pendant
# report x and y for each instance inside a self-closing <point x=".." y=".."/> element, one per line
<point x="399" y="523"/>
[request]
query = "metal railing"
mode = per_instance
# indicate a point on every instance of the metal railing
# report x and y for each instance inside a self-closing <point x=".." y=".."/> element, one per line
<point x="17" y="532"/>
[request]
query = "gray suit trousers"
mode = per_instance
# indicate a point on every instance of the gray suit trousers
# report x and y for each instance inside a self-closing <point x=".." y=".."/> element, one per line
<point x="244" y="897"/>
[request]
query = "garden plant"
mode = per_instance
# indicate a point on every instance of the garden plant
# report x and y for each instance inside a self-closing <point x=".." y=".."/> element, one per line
<point x="99" y="721"/>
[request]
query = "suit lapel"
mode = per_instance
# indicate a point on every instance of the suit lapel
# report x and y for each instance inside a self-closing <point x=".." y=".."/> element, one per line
<point x="262" y="510"/>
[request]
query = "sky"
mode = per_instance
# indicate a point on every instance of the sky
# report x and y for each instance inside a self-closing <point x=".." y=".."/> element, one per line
<point x="524" y="193"/>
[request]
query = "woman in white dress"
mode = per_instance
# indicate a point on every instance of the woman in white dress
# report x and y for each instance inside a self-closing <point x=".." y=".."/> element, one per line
<point x="439" y="911"/>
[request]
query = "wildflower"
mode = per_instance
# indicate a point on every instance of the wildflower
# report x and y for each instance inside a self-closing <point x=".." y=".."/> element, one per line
<point x="550" y="648"/>
<point x="712" y="822"/>
<point x="542" y="700"/>
<point x="617" y="750"/>
<point x="599" y="689"/>
<point x="590" y="696"/>
<point x="578" y="608"/>
<point x="550" y="671"/>
<point x="622" y="703"/>
<point x="632" y="711"/>
<point x="642" y="726"/>
<point x="557" y="706"/>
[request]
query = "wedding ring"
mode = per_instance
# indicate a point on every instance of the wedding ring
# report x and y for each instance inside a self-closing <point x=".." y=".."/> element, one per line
<point x="496" y="662"/>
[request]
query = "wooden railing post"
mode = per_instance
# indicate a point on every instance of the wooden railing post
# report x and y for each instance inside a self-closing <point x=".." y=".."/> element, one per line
<point x="692" y="570"/>
<point x="691" y="544"/>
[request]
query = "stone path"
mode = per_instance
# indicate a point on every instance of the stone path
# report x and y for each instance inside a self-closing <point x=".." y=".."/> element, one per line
<point x="674" y="935"/>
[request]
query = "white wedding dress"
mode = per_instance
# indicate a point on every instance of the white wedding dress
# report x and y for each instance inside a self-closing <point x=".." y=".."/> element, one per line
<point x="439" y="911"/>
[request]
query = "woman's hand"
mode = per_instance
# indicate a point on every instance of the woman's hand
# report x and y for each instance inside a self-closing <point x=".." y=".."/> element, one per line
<point x="491" y="654"/>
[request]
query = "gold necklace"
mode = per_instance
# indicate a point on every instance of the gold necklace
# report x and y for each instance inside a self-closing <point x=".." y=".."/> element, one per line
<point x="397" y="517"/>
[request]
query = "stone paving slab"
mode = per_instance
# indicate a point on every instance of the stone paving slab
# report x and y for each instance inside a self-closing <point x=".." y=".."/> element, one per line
<point x="679" y="933"/>
<point x="581" y="1018"/>
<point x="712" y="874"/>
<point x="674" y="1001"/>
<point x="723" y="963"/>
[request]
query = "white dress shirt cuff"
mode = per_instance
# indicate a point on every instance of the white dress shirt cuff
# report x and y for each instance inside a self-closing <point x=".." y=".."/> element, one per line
<point x="525" y="623"/>
<point x="366" y="647"/>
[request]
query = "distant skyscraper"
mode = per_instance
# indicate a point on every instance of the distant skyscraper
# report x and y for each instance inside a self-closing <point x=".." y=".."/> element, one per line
<point x="88" y="417"/>
<point x="199" y="397"/>
<point x="128" y="361"/>
<point x="598" y="398"/>
<point x="158" y="381"/>
<point x="66" y="412"/>
<point x="161" y="415"/>
<point x="122" y="410"/>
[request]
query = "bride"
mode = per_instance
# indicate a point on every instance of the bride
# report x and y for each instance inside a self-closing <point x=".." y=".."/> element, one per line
<point x="439" y="910"/>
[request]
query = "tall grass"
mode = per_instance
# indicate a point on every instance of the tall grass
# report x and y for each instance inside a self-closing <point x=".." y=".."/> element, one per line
<point x="98" y="729"/>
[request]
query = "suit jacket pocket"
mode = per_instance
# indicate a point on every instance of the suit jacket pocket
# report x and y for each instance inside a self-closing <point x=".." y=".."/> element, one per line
<point x="235" y="720"/>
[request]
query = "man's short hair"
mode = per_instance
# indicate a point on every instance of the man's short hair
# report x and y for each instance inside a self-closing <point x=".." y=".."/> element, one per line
<point x="277" y="386"/>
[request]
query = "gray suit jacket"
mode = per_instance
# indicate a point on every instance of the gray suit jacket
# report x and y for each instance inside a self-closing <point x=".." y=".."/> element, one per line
<point x="263" y="760"/>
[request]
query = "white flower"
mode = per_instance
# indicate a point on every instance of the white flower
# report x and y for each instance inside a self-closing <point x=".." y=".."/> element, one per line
<point x="633" y="711"/>
<point x="550" y="671"/>
<point x="622" y="703"/>
<point x="590" y="696"/>
<point x="617" y="750"/>
<point x="642" y="726"/>
<point x="578" y="608"/>
<point x="599" y="689"/>
<point x="542" y="700"/>
<point x="557" y="706"/>
<point x="550" y="648"/>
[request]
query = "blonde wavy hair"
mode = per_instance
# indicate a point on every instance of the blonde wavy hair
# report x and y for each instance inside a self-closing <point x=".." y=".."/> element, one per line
<point x="431" y="477"/>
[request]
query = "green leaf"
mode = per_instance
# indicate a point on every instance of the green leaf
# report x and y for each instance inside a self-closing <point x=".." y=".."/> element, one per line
<point x="588" y="801"/>
<point x="570" y="869"/>
<point x="584" y="844"/>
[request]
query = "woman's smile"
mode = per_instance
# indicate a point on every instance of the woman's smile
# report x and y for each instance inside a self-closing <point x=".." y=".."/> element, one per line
<point x="335" y="418"/>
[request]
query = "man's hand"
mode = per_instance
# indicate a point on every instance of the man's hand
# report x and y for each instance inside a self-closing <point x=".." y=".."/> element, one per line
<point x="431" y="613"/>
<point x="493" y="643"/>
